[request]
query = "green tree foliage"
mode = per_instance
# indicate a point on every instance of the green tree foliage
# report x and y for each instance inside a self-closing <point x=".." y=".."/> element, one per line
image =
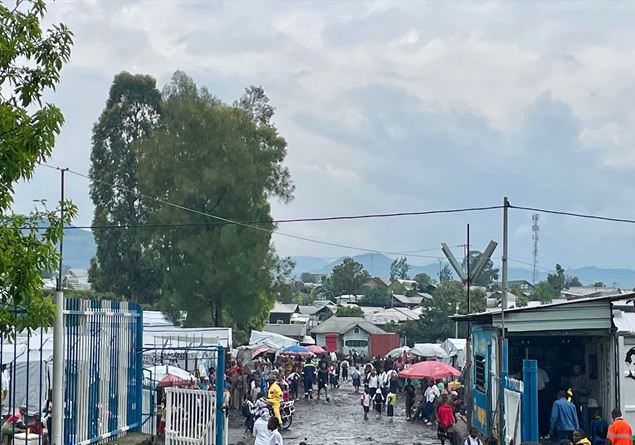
<point x="445" y="274"/>
<point x="307" y="277"/>
<point x="434" y="323"/>
<point x="348" y="278"/>
<point x="557" y="279"/>
<point x="399" y="269"/>
<point x="123" y="265"/>
<point x="376" y="297"/>
<point x="572" y="281"/>
<point x="544" y="292"/>
<point x="598" y="284"/>
<point x="478" y="301"/>
<point x="349" y="311"/>
<point x="489" y="274"/>
<point x="446" y="300"/>
<point x="424" y="281"/>
<point x="226" y="163"/>
<point x="521" y="298"/>
<point x="31" y="59"/>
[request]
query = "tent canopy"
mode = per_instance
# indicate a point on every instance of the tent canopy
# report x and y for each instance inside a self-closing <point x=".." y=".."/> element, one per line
<point x="271" y="339"/>
<point x="431" y="350"/>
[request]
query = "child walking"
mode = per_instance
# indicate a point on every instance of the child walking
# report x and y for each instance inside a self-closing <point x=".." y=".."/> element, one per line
<point x="365" y="402"/>
<point x="391" y="402"/>
<point x="378" y="401"/>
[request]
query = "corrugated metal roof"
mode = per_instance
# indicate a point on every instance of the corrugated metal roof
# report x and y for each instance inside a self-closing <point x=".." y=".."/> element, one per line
<point x="589" y="315"/>
<point x="341" y="325"/>
<point x="485" y="315"/>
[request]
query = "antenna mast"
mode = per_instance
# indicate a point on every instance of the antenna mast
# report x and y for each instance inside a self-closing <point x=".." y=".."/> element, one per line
<point x="535" y="237"/>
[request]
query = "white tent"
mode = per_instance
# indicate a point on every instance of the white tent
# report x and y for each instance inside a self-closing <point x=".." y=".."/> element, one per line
<point x="429" y="350"/>
<point x="28" y="364"/>
<point x="271" y="339"/>
<point x="455" y="347"/>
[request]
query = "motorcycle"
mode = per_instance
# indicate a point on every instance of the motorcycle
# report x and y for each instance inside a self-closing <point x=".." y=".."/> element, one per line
<point x="286" y="413"/>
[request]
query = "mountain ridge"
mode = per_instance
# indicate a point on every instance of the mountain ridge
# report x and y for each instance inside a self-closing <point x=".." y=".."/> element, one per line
<point x="378" y="265"/>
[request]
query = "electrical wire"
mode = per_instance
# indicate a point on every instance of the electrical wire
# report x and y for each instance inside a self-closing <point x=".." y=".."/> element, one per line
<point x="574" y="214"/>
<point x="251" y="226"/>
<point x="302" y="238"/>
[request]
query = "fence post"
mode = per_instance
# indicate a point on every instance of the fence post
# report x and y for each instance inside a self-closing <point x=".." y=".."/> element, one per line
<point x="530" y="401"/>
<point x="58" y="370"/>
<point x="139" y="367"/>
<point x="220" y="394"/>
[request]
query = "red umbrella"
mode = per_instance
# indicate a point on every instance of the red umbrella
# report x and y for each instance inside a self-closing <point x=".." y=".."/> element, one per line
<point x="174" y="380"/>
<point x="431" y="369"/>
<point x="316" y="349"/>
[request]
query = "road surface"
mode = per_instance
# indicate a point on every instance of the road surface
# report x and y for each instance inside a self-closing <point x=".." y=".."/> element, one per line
<point x="340" y="422"/>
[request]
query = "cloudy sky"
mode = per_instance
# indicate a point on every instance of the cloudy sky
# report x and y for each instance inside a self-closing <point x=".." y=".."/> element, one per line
<point x="394" y="107"/>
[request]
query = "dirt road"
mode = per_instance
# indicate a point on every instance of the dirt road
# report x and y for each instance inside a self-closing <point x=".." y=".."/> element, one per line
<point x="340" y="422"/>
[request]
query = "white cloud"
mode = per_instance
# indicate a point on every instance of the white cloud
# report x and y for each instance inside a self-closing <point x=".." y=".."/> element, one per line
<point x="392" y="106"/>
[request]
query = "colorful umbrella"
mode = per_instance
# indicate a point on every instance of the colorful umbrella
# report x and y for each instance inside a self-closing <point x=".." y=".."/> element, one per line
<point x="316" y="349"/>
<point x="165" y="375"/>
<point x="397" y="352"/>
<point x="431" y="369"/>
<point x="296" y="350"/>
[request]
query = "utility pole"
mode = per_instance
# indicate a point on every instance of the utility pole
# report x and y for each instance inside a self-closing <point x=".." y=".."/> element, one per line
<point x="535" y="237"/>
<point x="500" y="355"/>
<point x="58" y="339"/>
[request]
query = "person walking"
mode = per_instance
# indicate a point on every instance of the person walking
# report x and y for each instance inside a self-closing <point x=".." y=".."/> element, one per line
<point x="309" y="375"/>
<point x="344" y="369"/>
<point x="446" y="419"/>
<point x="323" y="380"/>
<point x="620" y="432"/>
<point x="274" y="427"/>
<point x="564" y="418"/>
<point x="293" y="380"/>
<point x="378" y="402"/>
<point x="473" y="438"/>
<point x="430" y="395"/>
<point x="373" y="382"/>
<point x="356" y="376"/>
<point x="410" y="393"/>
<point x="391" y="403"/>
<point x="365" y="402"/>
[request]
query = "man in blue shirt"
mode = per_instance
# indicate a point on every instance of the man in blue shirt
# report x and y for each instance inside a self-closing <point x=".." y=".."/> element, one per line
<point x="564" y="418"/>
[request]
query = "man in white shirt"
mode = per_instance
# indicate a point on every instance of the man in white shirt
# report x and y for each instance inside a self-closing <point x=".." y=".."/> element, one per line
<point x="373" y="382"/>
<point x="473" y="438"/>
<point x="276" y="437"/>
<point x="261" y="432"/>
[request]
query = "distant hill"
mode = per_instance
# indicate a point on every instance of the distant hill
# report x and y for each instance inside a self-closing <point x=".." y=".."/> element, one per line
<point x="378" y="265"/>
<point x="79" y="248"/>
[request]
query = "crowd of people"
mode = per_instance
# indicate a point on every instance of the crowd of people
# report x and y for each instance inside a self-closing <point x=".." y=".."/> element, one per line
<point x="259" y="388"/>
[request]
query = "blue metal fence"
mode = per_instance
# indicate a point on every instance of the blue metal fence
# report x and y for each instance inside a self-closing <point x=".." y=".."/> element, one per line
<point x="103" y="375"/>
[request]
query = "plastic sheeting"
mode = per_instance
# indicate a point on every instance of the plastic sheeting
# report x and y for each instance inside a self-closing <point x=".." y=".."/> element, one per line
<point x="455" y="347"/>
<point x="271" y="339"/>
<point x="29" y="369"/>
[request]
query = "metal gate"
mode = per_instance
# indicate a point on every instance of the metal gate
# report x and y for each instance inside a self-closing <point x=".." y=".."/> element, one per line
<point x="190" y="417"/>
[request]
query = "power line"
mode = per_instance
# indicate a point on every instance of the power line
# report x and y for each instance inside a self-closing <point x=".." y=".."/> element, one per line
<point x="574" y="214"/>
<point x="271" y="231"/>
<point x="317" y="219"/>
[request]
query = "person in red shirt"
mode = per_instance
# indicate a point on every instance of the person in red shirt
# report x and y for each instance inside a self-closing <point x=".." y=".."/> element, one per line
<point x="445" y="419"/>
<point x="620" y="432"/>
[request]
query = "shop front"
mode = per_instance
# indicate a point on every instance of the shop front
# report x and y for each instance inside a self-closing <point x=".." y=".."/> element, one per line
<point x="575" y="346"/>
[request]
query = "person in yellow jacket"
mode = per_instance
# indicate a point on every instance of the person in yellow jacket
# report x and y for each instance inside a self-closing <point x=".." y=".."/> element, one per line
<point x="274" y="396"/>
<point x="580" y="438"/>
